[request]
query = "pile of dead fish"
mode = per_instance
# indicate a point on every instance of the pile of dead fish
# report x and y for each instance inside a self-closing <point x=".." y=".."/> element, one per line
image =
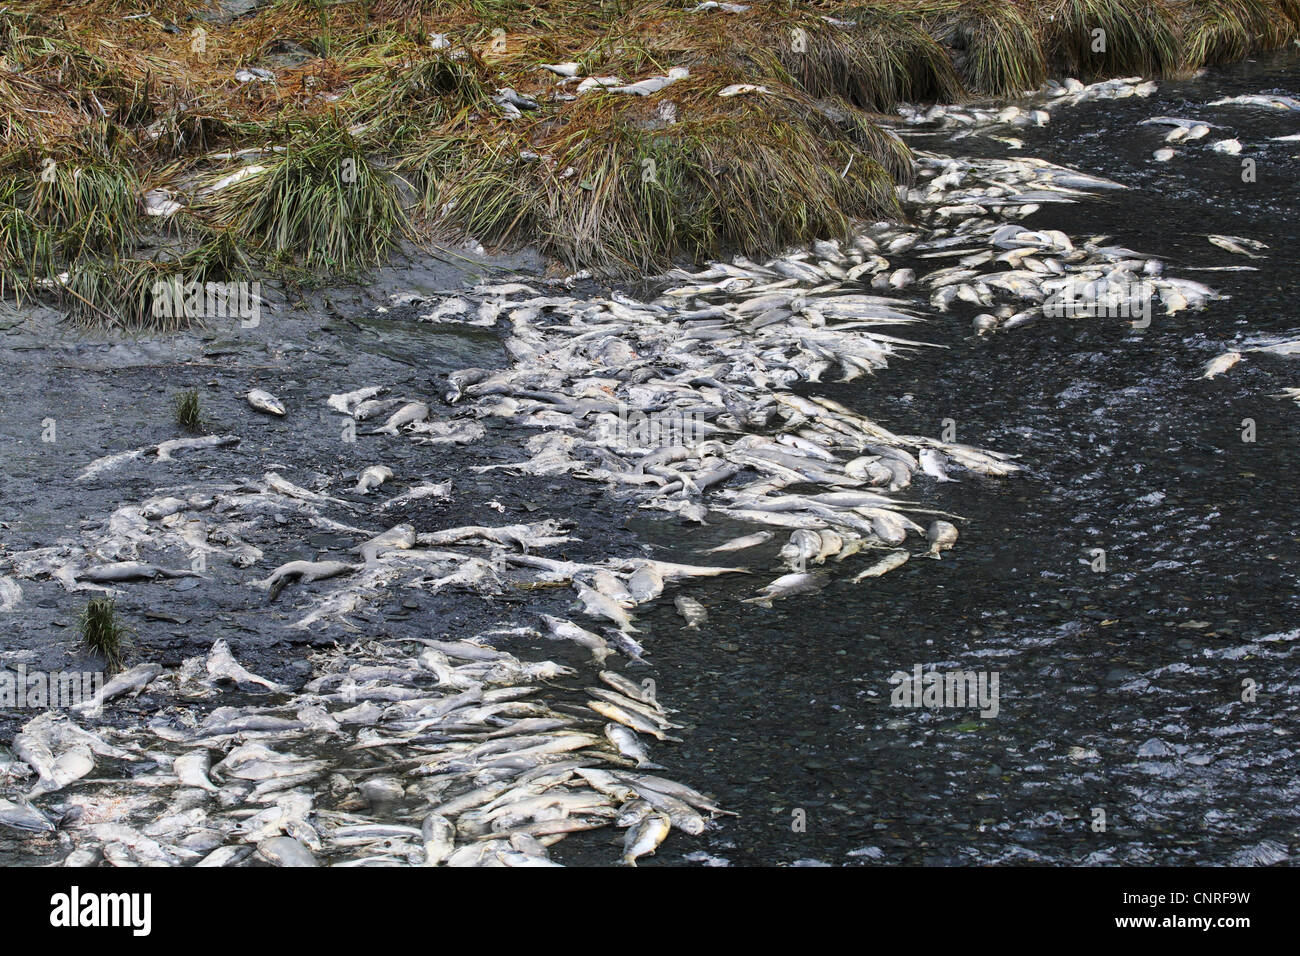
<point x="394" y="753"/>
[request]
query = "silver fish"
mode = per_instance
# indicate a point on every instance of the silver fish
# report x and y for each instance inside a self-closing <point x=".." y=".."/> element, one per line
<point x="692" y="610"/>
<point x="264" y="401"/>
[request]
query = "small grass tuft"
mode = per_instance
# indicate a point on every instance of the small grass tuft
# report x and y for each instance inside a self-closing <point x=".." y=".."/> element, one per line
<point x="104" y="633"/>
<point x="188" y="414"/>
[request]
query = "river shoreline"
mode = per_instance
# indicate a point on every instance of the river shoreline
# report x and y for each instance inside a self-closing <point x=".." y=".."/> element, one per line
<point x="772" y="761"/>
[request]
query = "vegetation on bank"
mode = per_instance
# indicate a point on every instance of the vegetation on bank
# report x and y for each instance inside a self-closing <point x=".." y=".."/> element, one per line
<point x="104" y="633"/>
<point x="310" y="136"/>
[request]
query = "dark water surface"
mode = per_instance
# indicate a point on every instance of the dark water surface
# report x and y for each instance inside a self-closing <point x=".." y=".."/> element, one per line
<point x="1128" y="451"/>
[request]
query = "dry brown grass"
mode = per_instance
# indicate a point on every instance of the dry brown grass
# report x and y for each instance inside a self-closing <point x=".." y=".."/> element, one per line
<point x="93" y="84"/>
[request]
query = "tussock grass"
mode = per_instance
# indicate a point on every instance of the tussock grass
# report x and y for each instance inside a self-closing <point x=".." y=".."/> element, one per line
<point x="113" y="294"/>
<point x="1220" y="31"/>
<point x="92" y="207"/>
<point x="123" y="294"/>
<point x="995" y="47"/>
<point x="633" y="197"/>
<point x="322" y="203"/>
<point x="119" y="102"/>
<point x="1141" y="38"/>
<point x="26" y="247"/>
<point x="883" y="58"/>
<point x="187" y="411"/>
<point x="104" y="633"/>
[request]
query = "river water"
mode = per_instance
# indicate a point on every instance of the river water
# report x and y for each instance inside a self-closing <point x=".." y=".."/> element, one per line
<point x="1122" y="734"/>
<point x="1127" y="451"/>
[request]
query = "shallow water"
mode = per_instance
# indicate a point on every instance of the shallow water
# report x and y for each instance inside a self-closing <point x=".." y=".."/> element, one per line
<point x="788" y="709"/>
<point x="1128" y="451"/>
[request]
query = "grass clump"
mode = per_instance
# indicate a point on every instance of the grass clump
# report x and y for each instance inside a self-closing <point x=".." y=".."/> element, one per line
<point x="883" y="57"/>
<point x="322" y="202"/>
<point x="188" y="414"/>
<point x="1220" y="31"/>
<point x="995" y="48"/>
<point x="91" y="207"/>
<point x="1138" y="38"/>
<point x="627" y="196"/>
<point x="104" y="633"/>
<point x="26" y="246"/>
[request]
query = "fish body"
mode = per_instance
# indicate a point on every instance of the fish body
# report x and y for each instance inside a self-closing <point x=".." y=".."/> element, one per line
<point x="645" y="837"/>
<point x="691" y="610"/>
<point x="192" y="770"/>
<point x="788" y="585"/>
<point x="222" y="666"/>
<point x="895" y="559"/>
<point x="410" y="412"/>
<point x="130" y="571"/>
<point x="645" y="584"/>
<point x="371" y="478"/>
<point x="942" y="535"/>
<point x="1220" y="364"/>
<point x="264" y="401"/>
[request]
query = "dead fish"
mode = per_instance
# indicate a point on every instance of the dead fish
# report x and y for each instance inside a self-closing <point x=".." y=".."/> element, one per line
<point x="304" y="572"/>
<point x="419" y="493"/>
<point x="627" y="743"/>
<point x="265" y="402"/>
<point x="192" y="770"/>
<point x="653" y="85"/>
<point x="11" y="595"/>
<point x="110" y="462"/>
<point x="71" y="765"/>
<point x="645" y="837"/>
<point x="1237" y="245"/>
<point x="568" y="631"/>
<point x="942" y="535"/>
<point x="23" y="816"/>
<point x="629" y="718"/>
<point x="788" y="585"/>
<point x="645" y="583"/>
<point x="889" y="562"/>
<point x="740" y="89"/>
<point x="629" y="689"/>
<point x="165" y="450"/>
<point x="410" y="412"/>
<point x="372" y="477"/>
<point x="222" y="666"/>
<point x="347" y="401"/>
<point x="400" y="537"/>
<point x="285" y="851"/>
<point x="802" y="546"/>
<point x="741" y="543"/>
<point x="439" y="836"/>
<point x="692" y="610"/>
<point x="932" y="463"/>
<point x="132" y="681"/>
<point x="1220" y="364"/>
<point x="130" y="571"/>
<point x="599" y="605"/>
<point x="155" y="509"/>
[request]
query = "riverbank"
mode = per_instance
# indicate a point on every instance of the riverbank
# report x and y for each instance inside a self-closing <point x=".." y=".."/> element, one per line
<point x="308" y="141"/>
